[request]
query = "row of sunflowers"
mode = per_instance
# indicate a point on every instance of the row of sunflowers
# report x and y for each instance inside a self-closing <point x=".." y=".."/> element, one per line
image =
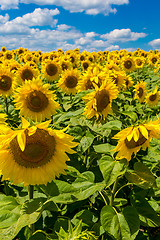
<point x="61" y="116"/>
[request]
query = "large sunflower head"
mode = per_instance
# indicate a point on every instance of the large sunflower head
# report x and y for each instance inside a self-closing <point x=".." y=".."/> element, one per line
<point x="34" y="155"/>
<point x="69" y="81"/>
<point x="153" y="59"/>
<point x="139" y="62"/>
<point x="7" y="82"/>
<point x="26" y="72"/>
<point x="51" y="70"/>
<point x="35" y="100"/>
<point x="153" y="98"/>
<point x="132" y="139"/>
<point x="118" y="78"/>
<point x="140" y="91"/>
<point x="99" y="102"/>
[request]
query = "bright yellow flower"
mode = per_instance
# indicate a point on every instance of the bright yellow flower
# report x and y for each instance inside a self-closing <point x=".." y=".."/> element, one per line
<point x="140" y="91"/>
<point x="132" y="139"/>
<point x="35" y="100"/>
<point x="153" y="98"/>
<point x="34" y="155"/>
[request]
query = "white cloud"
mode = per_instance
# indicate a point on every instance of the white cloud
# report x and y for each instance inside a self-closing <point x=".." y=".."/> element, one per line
<point x="4" y="19"/>
<point x="91" y="7"/>
<point x="13" y="28"/>
<point x="63" y="27"/>
<point x="8" y="4"/>
<point x="123" y="35"/>
<point x="40" y="17"/>
<point x="155" y="43"/>
<point x="112" y="47"/>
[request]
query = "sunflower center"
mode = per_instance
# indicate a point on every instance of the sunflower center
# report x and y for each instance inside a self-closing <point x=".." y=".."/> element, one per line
<point x="85" y="65"/>
<point x="51" y="69"/>
<point x="5" y="82"/>
<point x="39" y="150"/>
<point x="153" y="97"/>
<point x="128" y="64"/>
<point x="37" y="101"/>
<point x="89" y="85"/>
<point x="64" y="66"/>
<point x="102" y="100"/>
<point x="27" y="74"/>
<point x="154" y="60"/>
<point x="71" y="82"/>
<point x="9" y="56"/>
<point x="139" y="62"/>
<point x="132" y="144"/>
<point x="140" y="92"/>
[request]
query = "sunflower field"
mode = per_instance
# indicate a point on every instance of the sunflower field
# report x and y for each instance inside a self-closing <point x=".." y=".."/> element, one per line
<point x="79" y="145"/>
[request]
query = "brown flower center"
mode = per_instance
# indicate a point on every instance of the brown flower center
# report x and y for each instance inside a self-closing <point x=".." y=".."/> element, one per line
<point x="132" y="144"/>
<point x="39" y="149"/>
<point x="37" y="101"/>
<point x="27" y="74"/>
<point x="153" y="97"/>
<point x="103" y="100"/>
<point x="71" y="82"/>
<point x="128" y="64"/>
<point x="5" y="82"/>
<point x="154" y="60"/>
<point x="64" y="66"/>
<point x="85" y="65"/>
<point x="51" y="69"/>
<point x="9" y="56"/>
<point x="140" y="92"/>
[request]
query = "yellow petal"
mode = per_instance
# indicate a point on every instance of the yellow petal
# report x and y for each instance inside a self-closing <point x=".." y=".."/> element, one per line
<point x="32" y="130"/>
<point x="25" y="123"/>
<point x="144" y="131"/>
<point x="129" y="137"/>
<point x="136" y="134"/>
<point x="44" y="124"/>
<point x="21" y="139"/>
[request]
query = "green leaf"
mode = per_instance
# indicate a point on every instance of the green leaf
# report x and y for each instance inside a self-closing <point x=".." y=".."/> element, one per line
<point x="131" y="114"/>
<point x="111" y="168"/>
<point x="114" y="125"/>
<point x="141" y="176"/>
<point x="121" y="226"/>
<point x="86" y="142"/>
<point x="7" y="218"/>
<point x="104" y="148"/>
<point x="147" y="215"/>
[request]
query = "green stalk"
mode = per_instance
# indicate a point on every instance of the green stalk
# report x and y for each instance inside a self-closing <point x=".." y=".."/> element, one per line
<point x="113" y="192"/>
<point x="6" y="102"/>
<point x="30" y="195"/>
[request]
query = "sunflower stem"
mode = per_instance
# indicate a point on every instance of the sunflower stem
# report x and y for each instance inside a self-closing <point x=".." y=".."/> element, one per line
<point x="6" y="102"/>
<point x="113" y="192"/>
<point x="30" y="194"/>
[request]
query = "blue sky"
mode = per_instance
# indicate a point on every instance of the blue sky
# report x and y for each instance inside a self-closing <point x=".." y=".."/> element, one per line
<point x="92" y="25"/>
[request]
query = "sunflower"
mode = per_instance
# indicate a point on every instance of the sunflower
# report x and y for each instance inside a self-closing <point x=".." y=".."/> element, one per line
<point x="85" y="64"/>
<point x="86" y="82"/>
<point x="51" y="70"/>
<point x="98" y="102"/>
<point x="26" y="72"/>
<point x="153" y="59"/>
<point x="35" y="100"/>
<point x="34" y="155"/>
<point x="128" y="81"/>
<point x="153" y="98"/>
<point x="128" y="64"/>
<point x="132" y="139"/>
<point x="7" y="82"/>
<point x="140" y="91"/>
<point x="69" y="81"/>
<point x="118" y="78"/>
<point x="139" y="62"/>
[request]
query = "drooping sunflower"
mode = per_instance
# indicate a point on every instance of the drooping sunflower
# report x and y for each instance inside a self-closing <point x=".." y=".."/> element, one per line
<point x="69" y="80"/>
<point x="86" y="82"/>
<point x="7" y="82"/>
<point x="35" y="100"/>
<point x="99" y="102"/>
<point x="132" y="139"/>
<point x="118" y="78"/>
<point x="128" y="64"/>
<point x="153" y="98"/>
<point x="34" y="155"/>
<point x="51" y="70"/>
<point x="128" y="81"/>
<point x="26" y="72"/>
<point x="140" y="91"/>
